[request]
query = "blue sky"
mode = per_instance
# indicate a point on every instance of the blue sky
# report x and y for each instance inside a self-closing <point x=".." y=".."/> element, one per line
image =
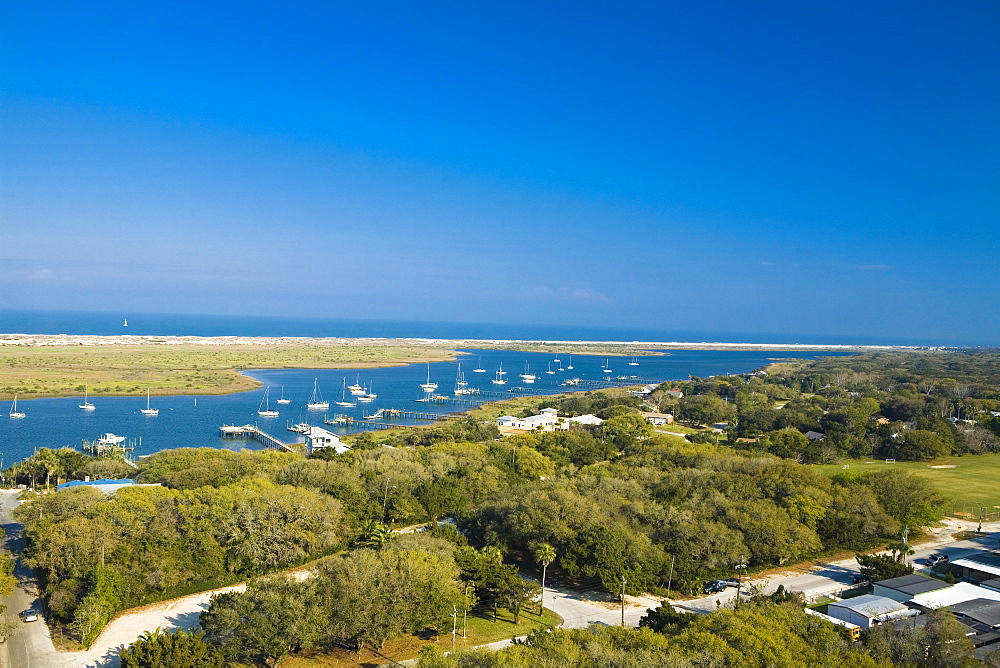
<point x="814" y="168"/>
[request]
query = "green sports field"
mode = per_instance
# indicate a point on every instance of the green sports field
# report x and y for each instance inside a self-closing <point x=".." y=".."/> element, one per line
<point x="969" y="483"/>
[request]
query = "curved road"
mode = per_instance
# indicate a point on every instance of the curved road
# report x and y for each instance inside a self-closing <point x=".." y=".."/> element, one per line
<point x="31" y="646"/>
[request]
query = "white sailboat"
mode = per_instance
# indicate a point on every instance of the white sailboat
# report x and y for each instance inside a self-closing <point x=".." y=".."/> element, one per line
<point x="461" y="387"/>
<point x="356" y="389"/>
<point x="428" y="386"/>
<point x="499" y="380"/>
<point x="479" y="369"/>
<point x="343" y="397"/>
<point x="606" y="368"/>
<point x="282" y="400"/>
<point x="86" y="405"/>
<point x="370" y="394"/>
<point x="634" y="362"/>
<point x="549" y="370"/>
<point x="147" y="410"/>
<point x="527" y="376"/>
<point x="570" y="365"/>
<point x="365" y="397"/>
<point x="316" y="398"/>
<point x="13" y="409"/>
<point x="125" y="324"/>
<point x="264" y="410"/>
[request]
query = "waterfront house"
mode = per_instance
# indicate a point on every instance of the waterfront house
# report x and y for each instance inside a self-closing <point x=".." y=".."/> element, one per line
<point x="318" y="438"/>
<point x="547" y="420"/>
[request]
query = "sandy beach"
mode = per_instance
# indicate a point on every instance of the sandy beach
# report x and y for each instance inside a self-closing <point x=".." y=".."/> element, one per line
<point x="146" y="340"/>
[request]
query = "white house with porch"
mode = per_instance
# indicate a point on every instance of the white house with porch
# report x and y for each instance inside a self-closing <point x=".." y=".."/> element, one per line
<point x="318" y="438"/>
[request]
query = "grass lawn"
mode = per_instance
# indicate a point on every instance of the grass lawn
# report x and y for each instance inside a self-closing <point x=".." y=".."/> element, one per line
<point x="482" y="630"/>
<point x="968" y="482"/>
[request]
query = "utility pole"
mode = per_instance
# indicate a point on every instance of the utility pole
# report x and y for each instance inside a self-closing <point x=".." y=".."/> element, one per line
<point x="670" y="577"/>
<point x="465" y="614"/>
<point x="623" y="599"/>
<point x="454" y="626"/>
<point x="979" y="530"/>
<point x="740" y="567"/>
<point x="385" y="499"/>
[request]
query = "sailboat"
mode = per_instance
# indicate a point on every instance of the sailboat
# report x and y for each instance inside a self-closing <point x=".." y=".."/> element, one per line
<point x="147" y="410"/>
<point x="366" y="396"/>
<point x="86" y="405"/>
<point x="282" y="400"/>
<point x="428" y="386"/>
<point x="343" y="397"/>
<point x="356" y="389"/>
<point x="316" y="398"/>
<point x="264" y="410"/>
<point x="479" y="369"/>
<point x="125" y="324"/>
<point x="499" y="380"/>
<point x="570" y="365"/>
<point x="549" y="370"/>
<point x="13" y="409"/>
<point x="527" y="376"/>
<point x="370" y="394"/>
<point x="634" y="362"/>
<point x="606" y="368"/>
<point x="461" y="387"/>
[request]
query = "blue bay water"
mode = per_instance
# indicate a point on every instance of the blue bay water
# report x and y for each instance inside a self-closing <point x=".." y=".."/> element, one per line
<point x="194" y="421"/>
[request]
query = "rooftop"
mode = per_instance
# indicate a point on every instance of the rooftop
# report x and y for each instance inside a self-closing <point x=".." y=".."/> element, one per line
<point x="982" y="610"/>
<point x="913" y="584"/>
<point x="870" y="605"/>
<point x="952" y="596"/>
<point x="984" y="562"/>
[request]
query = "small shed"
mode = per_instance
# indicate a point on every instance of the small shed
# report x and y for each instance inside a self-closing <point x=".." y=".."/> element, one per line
<point x="904" y="588"/>
<point x="869" y="610"/>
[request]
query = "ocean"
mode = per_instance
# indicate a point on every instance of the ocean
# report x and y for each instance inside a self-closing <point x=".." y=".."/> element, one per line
<point x="160" y="324"/>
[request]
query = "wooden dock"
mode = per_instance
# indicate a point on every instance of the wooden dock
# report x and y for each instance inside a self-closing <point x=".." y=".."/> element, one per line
<point x="253" y="433"/>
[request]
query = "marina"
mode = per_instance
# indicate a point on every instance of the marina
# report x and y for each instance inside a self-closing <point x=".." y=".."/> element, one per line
<point x="190" y="421"/>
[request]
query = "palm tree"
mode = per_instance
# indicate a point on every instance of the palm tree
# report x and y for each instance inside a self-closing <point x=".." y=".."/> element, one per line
<point x="900" y="550"/>
<point x="545" y="554"/>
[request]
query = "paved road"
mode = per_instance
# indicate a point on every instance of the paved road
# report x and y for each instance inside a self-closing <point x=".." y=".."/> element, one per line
<point x="833" y="576"/>
<point x="31" y="646"/>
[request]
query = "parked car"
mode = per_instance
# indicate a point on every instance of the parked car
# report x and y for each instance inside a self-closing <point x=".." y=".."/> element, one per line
<point x="937" y="560"/>
<point x="29" y="615"/>
<point x="715" y="586"/>
<point x="858" y="579"/>
<point x="732" y="582"/>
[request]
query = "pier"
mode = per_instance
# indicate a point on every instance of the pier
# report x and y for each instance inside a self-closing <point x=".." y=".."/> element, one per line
<point x="253" y="433"/>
